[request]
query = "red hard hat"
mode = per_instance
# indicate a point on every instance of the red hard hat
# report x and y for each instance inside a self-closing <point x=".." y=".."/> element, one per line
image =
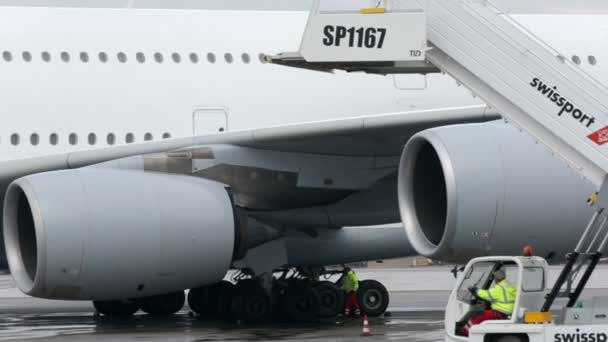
<point x="528" y="251"/>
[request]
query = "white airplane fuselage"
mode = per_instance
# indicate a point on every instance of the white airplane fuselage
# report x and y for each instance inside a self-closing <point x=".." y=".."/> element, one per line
<point x="78" y="79"/>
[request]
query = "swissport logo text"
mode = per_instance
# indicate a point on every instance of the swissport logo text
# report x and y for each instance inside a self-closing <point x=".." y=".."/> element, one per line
<point x="565" y="106"/>
<point x="580" y="337"/>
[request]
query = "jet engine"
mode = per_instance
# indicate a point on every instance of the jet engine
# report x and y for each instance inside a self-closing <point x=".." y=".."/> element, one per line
<point x="104" y="234"/>
<point x="481" y="189"/>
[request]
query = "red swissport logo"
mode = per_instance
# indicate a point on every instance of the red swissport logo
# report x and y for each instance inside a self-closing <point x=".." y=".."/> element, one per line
<point x="599" y="137"/>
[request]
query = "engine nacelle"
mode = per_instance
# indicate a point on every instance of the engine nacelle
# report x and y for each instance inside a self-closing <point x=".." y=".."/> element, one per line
<point x="105" y="234"/>
<point x="480" y="189"/>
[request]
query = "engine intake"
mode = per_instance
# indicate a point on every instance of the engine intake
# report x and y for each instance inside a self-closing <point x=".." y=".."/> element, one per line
<point x="480" y="189"/>
<point x="104" y="234"/>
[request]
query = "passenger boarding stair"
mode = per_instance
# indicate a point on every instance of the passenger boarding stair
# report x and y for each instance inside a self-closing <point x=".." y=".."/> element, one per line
<point x="529" y="83"/>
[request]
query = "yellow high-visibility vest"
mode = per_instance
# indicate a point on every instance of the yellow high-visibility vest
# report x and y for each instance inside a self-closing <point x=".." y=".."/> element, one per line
<point x="350" y="282"/>
<point x="501" y="296"/>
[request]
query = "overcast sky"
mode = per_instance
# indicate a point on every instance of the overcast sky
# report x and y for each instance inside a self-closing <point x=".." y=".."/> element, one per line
<point x="516" y="6"/>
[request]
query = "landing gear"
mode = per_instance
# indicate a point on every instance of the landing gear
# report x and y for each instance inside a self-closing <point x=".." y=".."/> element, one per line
<point x="163" y="305"/>
<point x="373" y="297"/>
<point x="116" y="308"/>
<point x="294" y="295"/>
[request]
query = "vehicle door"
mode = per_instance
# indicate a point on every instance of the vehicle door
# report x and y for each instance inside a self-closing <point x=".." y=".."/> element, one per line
<point x="461" y="301"/>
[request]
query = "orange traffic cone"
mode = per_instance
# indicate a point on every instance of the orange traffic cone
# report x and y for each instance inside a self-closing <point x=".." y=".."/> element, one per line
<point x="365" y="331"/>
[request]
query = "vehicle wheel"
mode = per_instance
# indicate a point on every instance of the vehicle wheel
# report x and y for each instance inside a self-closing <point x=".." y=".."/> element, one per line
<point x="373" y="297"/>
<point x="331" y="299"/>
<point x="199" y="300"/>
<point x="301" y="303"/>
<point x="510" y="338"/>
<point x="116" y="308"/>
<point x="164" y="305"/>
<point x="223" y="291"/>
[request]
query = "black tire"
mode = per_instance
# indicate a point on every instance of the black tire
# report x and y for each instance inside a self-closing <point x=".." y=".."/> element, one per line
<point x="510" y="338"/>
<point x="373" y="297"/>
<point x="252" y="304"/>
<point x="331" y="299"/>
<point x="279" y="290"/>
<point x="301" y="303"/>
<point x="223" y="291"/>
<point x="199" y="301"/>
<point x="116" y="308"/>
<point x="164" y="305"/>
<point x="236" y="304"/>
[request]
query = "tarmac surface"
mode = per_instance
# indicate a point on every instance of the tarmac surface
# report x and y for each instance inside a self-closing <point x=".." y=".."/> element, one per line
<point x="28" y="319"/>
<point x="418" y="299"/>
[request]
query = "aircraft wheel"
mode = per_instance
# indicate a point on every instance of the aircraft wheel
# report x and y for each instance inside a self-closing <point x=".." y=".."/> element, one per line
<point x="223" y="291"/>
<point x="116" y="308"/>
<point x="199" y="301"/>
<point x="279" y="289"/>
<point x="252" y="304"/>
<point x="373" y="297"/>
<point x="331" y="299"/>
<point x="236" y="303"/>
<point x="301" y="303"/>
<point x="164" y="305"/>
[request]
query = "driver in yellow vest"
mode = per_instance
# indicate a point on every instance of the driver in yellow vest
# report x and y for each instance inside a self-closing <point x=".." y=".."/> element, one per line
<point x="501" y="298"/>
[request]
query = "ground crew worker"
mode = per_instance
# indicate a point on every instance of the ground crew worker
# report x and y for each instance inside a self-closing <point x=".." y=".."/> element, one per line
<point x="350" y="285"/>
<point x="501" y="298"/>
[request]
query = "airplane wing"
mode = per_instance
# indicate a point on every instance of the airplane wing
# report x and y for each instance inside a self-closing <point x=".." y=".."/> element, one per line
<point x="374" y="135"/>
<point x="306" y="166"/>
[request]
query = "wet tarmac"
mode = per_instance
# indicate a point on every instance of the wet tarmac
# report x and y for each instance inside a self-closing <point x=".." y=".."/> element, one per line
<point x="415" y="326"/>
<point x="416" y="314"/>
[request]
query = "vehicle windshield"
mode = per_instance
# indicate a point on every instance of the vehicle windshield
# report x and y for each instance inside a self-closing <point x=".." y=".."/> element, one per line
<point x="479" y="274"/>
<point x="476" y="276"/>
